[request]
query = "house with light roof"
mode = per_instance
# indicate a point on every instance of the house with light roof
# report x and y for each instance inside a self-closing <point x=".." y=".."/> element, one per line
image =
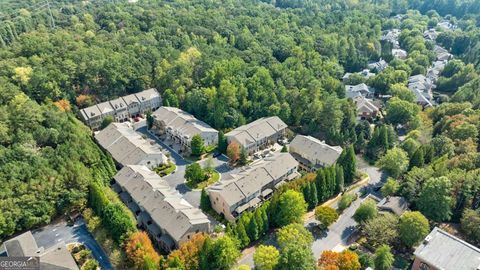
<point x="443" y="251"/>
<point x="252" y="185"/>
<point x="127" y="147"/>
<point x="122" y="108"/>
<point x="180" y="126"/>
<point x="312" y="154"/>
<point x="168" y="218"/>
<point x="258" y="134"/>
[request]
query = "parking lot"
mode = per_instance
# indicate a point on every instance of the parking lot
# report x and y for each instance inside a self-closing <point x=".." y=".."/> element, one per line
<point x="177" y="180"/>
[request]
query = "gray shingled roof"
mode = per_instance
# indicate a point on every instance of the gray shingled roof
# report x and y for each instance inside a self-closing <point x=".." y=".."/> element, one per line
<point x="236" y="187"/>
<point x="21" y="245"/>
<point x="90" y="112"/>
<point x="315" y="150"/>
<point x="165" y="206"/>
<point x="257" y="130"/>
<point x="445" y="251"/>
<point x="105" y="107"/>
<point x="118" y="104"/>
<point x="125" y="145"/>
<point x="57" y="257"/>
<point x="396" y="205"/>
<point x="53" y="258"/>
<point x="130" y="99"/>
<point x="181" y="121"/>
<point x="365" y="105"/>
<point x="148" y="94"/>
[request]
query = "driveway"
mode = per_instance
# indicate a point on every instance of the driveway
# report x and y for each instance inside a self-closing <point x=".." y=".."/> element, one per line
<point x="176" y="180"/>
<point x="336" y="238"/>
<point x="56" y="232"/>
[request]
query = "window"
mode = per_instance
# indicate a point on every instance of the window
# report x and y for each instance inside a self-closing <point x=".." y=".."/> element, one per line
<point x="424" y="266"/>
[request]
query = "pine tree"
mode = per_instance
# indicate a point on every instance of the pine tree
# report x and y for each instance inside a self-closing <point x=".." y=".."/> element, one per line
<point x="340" y="179"/>
<point x="242" y="234"/>
<point x="266" y="223"/>
<point x="259" y="220"/>
<point x="253" y="229"/>
<point x="361" y="143"/>
<point x="313" y="195"/>
<point x="349" y="163"/>
<point x="230" y="230"/>
<point x="205" y="203"/>
<point x="428" y="153"/>
<point x="321" y="185"/>
<point x="382" y="141"/>
<point x="417" y="159"/>
<point x="205" y="255"/>
<point x="243" y="156"/>
<point x="222" y="142"/>
<point x="391" y="136"/>
<point x="330" y="180"/>
<point x="306" y="194"/>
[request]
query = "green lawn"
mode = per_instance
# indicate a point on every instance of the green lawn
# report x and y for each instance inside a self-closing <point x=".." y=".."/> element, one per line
<point x="214" y="177"/>
<point x="165" y="169"/>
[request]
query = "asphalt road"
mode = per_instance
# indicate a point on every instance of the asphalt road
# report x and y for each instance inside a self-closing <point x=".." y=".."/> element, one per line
<point x="56" y="232"/>
<point x="176" y="180"/>
<point x="336" y="238"/>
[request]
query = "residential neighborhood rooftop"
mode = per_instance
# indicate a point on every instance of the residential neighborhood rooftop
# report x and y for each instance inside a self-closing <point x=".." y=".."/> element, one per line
<point x="55" y="257"/>
<point x="314" y="150"/>
<point x="126" y="146"/>
<point x="445" y="251"/>
<point x="165" y="206"/>
<point x="396" y="205"/>
<point x="257" y="130"/>
<point x="181" y="121"/>
<point x="250" y="180"/>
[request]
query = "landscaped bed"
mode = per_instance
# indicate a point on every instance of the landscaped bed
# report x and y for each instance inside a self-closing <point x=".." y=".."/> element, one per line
<point x="165" y="169"/>
<point x="213" y="177"/>
<point x="83" y="257"/>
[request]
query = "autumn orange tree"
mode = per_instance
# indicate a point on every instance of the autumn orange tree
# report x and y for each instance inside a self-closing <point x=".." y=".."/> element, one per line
<point x="63" y="105"/>
<point x="233" y="152"/>
<point x="188" y="253"/>
<point x="345" y="260"/>
<point x="140" y="251"/>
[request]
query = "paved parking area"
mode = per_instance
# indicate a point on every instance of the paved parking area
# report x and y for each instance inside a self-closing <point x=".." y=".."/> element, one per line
<point x="177" y="180"/>
<point x="53" y="233"/>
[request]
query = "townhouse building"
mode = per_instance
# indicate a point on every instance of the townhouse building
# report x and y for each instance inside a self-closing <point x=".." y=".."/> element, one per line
<point x="250" y="187"/>
<point x="128" y="147"/>
<point x="258" y="134"/>
<point x="443" y="251"/>
<point x="122" y="108"/>
<point x="180" y="126"/>
<point x="160" y="210"/>
<point x="312" y="154"/>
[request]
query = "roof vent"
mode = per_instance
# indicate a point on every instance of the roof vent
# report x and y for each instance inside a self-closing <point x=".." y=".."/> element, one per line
<point x="427" y="239"/>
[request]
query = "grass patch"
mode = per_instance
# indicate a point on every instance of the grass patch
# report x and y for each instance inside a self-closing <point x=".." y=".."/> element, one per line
<point x="212" y="178"/>
<point x="210" y="148"/>
<point x="165" y="169"/>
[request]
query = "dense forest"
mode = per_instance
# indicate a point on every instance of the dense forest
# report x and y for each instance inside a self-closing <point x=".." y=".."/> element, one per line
<point x="228" y="63"/>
